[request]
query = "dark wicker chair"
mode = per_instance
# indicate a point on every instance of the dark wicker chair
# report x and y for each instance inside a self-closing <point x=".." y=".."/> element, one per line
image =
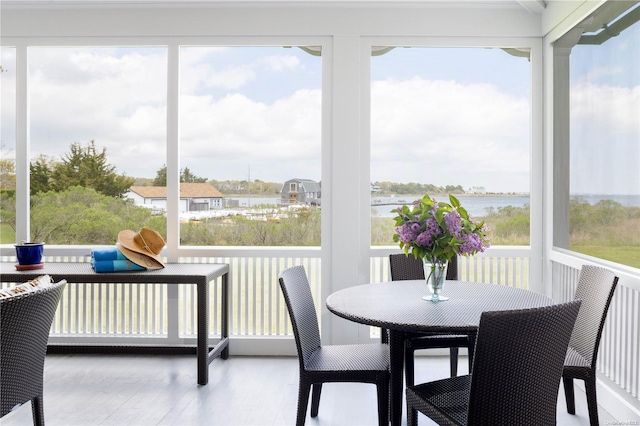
<point x="405" y="267"/>
<point x="25" y="322"/>
<point x="516" y="373"/>
<point x="329" y="363"/>
<point x="595" y="288"/>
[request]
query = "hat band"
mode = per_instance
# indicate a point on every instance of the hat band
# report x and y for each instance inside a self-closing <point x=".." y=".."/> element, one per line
<point x="146" y="245"/>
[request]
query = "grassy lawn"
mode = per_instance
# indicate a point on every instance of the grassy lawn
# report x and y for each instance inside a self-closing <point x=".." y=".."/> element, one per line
<point x="7" y="234"/>
<point x="627" y="255"/>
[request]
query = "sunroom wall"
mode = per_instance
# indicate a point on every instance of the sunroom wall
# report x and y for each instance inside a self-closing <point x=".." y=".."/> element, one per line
<point x="618" y="362"/>
<point x="345" y="34"/>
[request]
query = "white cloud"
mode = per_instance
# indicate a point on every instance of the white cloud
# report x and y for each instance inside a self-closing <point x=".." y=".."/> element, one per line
<point x="430" y="131"/>
<point x="610" y="109"/>
<point x="596" y="73"/>
<point x="115" y="97"/>
<point x="236" y="132"/>
<point x="443" y="132"/>
<point x="436" y="131"/>
<point x="281" y="62"/>
<point x="604" y="139"/>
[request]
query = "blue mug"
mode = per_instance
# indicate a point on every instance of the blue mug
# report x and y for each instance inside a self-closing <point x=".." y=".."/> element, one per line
<point x="29" y="253"/>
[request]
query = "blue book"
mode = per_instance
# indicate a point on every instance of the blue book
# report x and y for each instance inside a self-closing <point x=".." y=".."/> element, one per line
<point x="107" y="254"/>
<point x="115" y="266"/>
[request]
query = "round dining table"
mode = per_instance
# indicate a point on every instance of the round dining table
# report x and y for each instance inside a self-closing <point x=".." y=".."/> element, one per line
<point x="398" y="306"/>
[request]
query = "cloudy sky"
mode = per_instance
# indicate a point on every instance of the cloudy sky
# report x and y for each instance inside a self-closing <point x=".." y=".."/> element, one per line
<point x="443" y="116"/>
<point x="605" y="123"/>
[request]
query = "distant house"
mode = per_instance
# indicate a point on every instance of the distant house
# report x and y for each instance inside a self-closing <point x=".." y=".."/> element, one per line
<point x="477" y="190"/>
<point x="375" y="188"/>
<point x="303" y="191"/>
<point x="193" y="197"/>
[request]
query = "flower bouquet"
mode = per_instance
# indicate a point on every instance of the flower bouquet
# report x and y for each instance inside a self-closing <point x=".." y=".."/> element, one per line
<point x="436" y="232"/>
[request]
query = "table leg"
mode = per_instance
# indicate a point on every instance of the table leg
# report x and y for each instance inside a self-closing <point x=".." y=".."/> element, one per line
<point x="225" y="314"/>
<point x="396" y="360"/>
<point x="203" y="333"/>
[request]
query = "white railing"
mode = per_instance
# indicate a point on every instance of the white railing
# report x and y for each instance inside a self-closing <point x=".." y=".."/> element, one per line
<point x="137" y="314"/>
<point x="619" y="355"/>
<point x="504" y="266"/>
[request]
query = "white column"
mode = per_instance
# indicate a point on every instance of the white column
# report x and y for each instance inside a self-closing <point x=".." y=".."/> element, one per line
<point x="173" y="153"/>
<point x="23" y="231"/>
<point x="561" y="137"/>
<point x="341" y="197"/>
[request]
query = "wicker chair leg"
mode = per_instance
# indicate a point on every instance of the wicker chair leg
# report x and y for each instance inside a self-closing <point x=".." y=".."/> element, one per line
<point x="453" y="361"/>
<point x="37" y="409"/>
<point x="315" y="399"/>
<point x="470" y="349"/>
<point x="412" y="416"/>
<point x="303" y="401"/>
<point x="383" y="403"/>
<point x="569" y="395"/>
<point x="409" y="367"/>
<point x="384" y="335"/>
<point x="592" y="402"/>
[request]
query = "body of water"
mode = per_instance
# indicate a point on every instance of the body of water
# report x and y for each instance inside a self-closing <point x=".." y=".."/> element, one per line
<point x="475" y="205"/>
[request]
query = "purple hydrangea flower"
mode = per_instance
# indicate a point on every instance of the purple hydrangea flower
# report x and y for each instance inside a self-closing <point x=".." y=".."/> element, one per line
<point x="472" y="244"/>
<point x="406" y="233"/>
<point x="454" y="223"/>
<point x="424" y="239"/>
<point x="432" y="227"/>
<point x="426" y="236"/>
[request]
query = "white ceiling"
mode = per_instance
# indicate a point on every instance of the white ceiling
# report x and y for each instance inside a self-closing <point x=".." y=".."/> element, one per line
<point x="532" y="6"/>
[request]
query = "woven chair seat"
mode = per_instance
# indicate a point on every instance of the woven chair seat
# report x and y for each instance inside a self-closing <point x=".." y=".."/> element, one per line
<point x="574" y="359"/>
<point x="334" y="358"/>
<point x="428" y="341"/>
<point x="451" y="396"/>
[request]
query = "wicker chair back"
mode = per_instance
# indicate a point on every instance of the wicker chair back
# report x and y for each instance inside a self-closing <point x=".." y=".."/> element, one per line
<point x="595" y="288"/>
<point x="297" y="294"/>
<point x="517" y="366"/>
<point x="25" y="322"/>
<point x="405" y="267"/>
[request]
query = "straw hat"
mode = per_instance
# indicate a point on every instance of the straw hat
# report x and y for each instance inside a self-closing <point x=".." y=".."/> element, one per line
<point x="142" y="248"/>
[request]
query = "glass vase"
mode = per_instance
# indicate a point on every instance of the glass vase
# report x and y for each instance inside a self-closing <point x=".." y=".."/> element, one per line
<point x="435" y="273"/>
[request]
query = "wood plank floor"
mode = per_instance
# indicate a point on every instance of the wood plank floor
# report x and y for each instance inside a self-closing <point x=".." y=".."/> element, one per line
<point x="161" y="390"/>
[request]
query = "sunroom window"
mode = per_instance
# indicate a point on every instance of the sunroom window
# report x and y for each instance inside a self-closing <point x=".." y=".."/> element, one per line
<point x="604" y="209"/>
<point x="452" y="121"/>
<point x="250" y="121"/>
<point x="97" y="127"/>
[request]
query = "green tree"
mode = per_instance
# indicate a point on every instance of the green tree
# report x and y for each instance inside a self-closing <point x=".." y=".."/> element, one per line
<point x="451" y="189"/>
<point x="40" y="174"/>
<point x="161" y="177"/>
<point x="89" y="168"/>
<point x="7" y="211"/>
<point x="81" y="215"/>
<point x="185" y="176"/>
<point x="7" y="173"/>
